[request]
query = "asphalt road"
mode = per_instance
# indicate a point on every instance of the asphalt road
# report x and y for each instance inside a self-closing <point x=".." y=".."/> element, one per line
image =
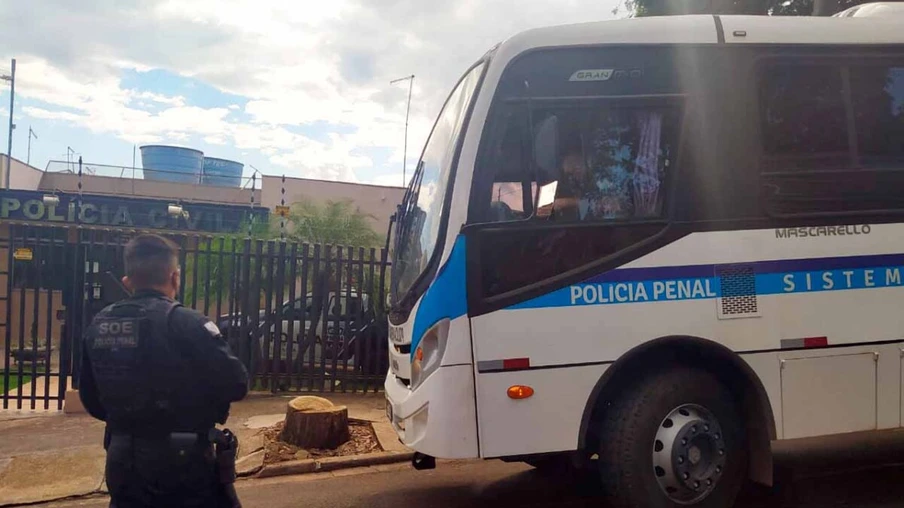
<point x="495" y="484"/>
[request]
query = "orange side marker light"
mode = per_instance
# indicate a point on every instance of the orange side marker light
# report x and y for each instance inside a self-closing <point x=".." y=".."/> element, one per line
<point x="520" y="392"/>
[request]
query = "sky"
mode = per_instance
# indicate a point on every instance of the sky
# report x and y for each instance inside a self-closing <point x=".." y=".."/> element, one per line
<point x="290" y="87"/>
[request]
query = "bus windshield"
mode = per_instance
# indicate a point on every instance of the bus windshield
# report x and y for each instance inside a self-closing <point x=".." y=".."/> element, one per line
<point x="421" y="214"/>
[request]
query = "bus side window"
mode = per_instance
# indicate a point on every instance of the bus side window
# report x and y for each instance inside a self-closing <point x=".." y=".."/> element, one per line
<point x="592" y="161"/>
<point x="827" y="150"/>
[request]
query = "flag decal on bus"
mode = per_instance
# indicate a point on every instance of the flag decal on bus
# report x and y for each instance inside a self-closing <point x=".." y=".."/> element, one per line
<point x="805" y="342"/>
<point x="506" y="364"/>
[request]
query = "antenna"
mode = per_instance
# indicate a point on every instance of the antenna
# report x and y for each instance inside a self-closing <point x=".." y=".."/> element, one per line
<point x="70" y="151"/>
<point x="410" y="80"/>
<point x="31" y="134"/>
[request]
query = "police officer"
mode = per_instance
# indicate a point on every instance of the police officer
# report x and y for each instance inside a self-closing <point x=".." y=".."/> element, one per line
<point x="161" y="376"/>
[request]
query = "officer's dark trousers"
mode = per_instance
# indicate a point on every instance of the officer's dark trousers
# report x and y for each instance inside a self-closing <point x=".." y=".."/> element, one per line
<point x="146" y="473"/>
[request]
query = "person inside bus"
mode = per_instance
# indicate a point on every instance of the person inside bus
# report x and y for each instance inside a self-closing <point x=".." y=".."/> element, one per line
<point x="596" y="180"/>
<point x="571" y="202"/>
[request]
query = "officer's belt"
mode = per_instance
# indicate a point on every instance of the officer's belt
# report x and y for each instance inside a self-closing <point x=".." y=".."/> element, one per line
<point x="177" y="438"/>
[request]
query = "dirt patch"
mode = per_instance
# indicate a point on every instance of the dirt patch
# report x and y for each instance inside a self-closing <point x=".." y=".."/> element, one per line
<point x="363" y="440"/>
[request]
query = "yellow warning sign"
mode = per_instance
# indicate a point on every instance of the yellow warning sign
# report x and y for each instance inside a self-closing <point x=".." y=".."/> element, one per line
<point x="23" y="254"/>
<point x="282" y="211"/>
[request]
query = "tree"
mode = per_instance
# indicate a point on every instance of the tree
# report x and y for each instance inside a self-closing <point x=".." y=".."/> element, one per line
<point x="211" y="265"/>
<point x="337" y="223"/>
<point x="639" y="8"/>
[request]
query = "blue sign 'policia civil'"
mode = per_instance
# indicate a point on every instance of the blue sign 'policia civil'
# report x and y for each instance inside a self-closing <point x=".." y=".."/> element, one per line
<point x="123" y="212"/>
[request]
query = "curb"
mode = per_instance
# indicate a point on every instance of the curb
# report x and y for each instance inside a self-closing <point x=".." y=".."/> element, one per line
<point x="331" y="464"/>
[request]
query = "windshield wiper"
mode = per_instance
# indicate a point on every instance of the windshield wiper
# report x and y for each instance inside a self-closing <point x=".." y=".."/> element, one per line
<point x="409" y="202"/>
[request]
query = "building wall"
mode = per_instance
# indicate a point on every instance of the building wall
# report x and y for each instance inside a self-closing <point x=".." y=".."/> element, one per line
<point x="22" y="176"/>
<point x="375" y="200"/>
<point x="93" y="184"/>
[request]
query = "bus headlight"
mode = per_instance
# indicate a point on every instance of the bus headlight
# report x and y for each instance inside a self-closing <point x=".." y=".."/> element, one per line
<point x="429" y="353"/>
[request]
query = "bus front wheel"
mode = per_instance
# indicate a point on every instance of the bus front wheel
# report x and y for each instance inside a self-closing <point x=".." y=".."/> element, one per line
<point x="673" y="439"/>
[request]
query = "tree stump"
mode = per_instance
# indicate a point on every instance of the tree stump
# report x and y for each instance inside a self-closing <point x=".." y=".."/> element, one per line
<point x="314" y="422"/>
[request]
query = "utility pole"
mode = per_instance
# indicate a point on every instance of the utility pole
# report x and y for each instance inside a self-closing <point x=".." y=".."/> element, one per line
<point x="9" y="145"/>
<point x="31" y="134"/>
<point x="410" y="80"/>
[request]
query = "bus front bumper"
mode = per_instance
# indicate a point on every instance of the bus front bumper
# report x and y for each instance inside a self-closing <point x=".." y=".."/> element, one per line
<point x="437" y="418"/>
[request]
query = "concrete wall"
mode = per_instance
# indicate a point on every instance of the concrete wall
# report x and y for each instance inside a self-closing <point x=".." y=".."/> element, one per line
<point x="93" y="184"/>
<point x="375" y="200"/>
<point x="22" y="176"/>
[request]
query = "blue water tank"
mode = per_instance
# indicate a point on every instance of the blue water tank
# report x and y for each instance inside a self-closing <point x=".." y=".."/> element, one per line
<point x="222" y="172"/>
<point x="172" y="163"/>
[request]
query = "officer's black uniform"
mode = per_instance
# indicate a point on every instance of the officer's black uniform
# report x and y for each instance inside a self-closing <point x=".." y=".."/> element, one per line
<point x="161" y="376"/>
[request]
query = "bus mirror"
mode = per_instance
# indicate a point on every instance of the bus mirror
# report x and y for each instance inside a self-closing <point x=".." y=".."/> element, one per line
<point x="546" y="144"/>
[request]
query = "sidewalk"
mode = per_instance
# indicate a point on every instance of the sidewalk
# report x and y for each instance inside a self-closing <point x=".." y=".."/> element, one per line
<point x="50" y="455"/>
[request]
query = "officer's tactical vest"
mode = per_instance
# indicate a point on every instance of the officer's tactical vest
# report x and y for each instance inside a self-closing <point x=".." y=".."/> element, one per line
<point x="136" y="364"/>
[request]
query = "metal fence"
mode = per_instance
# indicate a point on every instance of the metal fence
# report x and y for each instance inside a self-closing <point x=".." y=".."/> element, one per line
<point x="301" y="317"/>
<point x="33" y="369"/>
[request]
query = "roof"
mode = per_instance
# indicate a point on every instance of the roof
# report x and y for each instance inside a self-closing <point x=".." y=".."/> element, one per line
<point x="813" y="30"/>
<point x="705" y="29"/>
<point x="338" y="182"/>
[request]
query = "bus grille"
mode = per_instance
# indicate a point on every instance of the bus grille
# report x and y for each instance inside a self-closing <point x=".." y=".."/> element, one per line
<point x="738" y="289"/>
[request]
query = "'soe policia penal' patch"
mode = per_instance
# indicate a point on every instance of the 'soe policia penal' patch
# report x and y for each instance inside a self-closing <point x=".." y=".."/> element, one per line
<point x="116" y="334"/>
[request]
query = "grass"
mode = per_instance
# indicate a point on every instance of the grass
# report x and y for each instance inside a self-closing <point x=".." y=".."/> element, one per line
<point x="13" y="381"/>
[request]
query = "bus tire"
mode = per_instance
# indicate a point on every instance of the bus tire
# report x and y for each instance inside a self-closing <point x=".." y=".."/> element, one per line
<point x="673" y="439"/>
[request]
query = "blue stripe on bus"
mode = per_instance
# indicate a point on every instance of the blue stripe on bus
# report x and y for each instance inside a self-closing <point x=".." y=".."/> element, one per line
<point x="446" y="296"/>
<point x="639" y="285"/>
<point x="759" y="267"/>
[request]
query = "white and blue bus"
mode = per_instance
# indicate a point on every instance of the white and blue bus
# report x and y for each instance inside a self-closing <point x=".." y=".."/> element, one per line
<point x="655" y="246"/>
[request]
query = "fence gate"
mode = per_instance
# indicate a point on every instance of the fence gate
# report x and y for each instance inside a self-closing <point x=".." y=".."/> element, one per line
<point x="301" y="317"/>
<point x="36" y="266"/>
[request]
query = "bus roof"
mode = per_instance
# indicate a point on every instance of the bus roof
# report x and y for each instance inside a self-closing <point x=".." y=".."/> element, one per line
<point x="709" y="29"/>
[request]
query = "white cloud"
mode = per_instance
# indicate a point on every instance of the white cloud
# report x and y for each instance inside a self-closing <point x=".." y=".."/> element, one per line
<point x="49" y="115"/>
<point x="161" y="99"/>
<point x="297" y="62"/>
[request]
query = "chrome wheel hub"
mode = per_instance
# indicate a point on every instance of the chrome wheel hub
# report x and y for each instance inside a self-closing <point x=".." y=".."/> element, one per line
<point x="689" y="454"/>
